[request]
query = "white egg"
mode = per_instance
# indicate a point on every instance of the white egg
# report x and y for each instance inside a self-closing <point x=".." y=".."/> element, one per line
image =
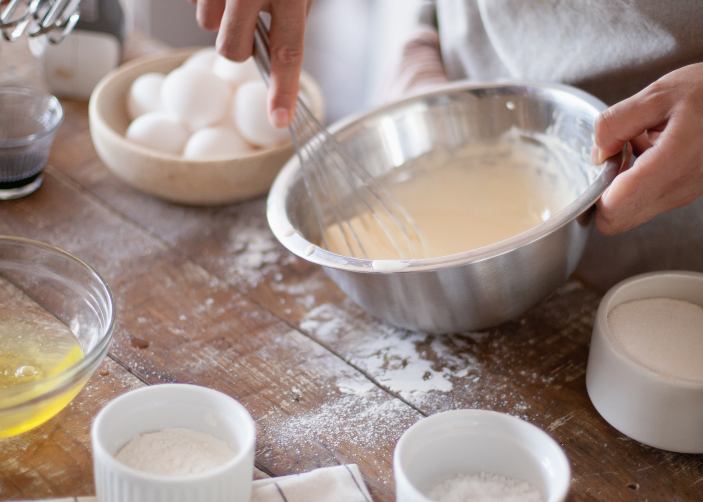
<point x="228" y="119"/>
<point x="195" y="96"/>
<point x="216" y="143"/>
<point x="251" y="116"/>
<point x="235" y="73"/>
<point x="159" y="131"/>
<point x="145" y="95"/>
<point x="204" y="58"/>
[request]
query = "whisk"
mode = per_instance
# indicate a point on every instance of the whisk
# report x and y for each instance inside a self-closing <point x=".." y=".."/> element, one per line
<point x="53" y="18"/>
<point x="328" y="170"/>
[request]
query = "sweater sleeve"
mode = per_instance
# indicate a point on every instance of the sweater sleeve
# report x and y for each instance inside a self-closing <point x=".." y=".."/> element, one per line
<point x="420" y="66"/>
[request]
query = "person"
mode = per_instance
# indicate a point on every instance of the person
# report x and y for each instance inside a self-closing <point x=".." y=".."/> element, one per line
<point x="643" y="57"/>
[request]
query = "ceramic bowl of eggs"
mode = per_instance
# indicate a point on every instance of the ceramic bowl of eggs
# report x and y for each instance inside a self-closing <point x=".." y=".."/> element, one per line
<point x="191" y="127"/>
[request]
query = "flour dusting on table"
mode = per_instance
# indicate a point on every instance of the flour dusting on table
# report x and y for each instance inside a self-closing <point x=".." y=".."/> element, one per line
<point x="252" y="253"/>
<point x="404" y="362"/>
<point x="372" y="423"/>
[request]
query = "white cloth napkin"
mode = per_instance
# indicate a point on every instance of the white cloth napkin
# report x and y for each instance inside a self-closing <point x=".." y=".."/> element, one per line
<point x="341" y="483"/>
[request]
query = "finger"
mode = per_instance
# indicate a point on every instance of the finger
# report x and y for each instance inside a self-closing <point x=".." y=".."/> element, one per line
<point x="661" y="179"/>
<point x="287" y="39"/>
<point x="235" y="39"/>
<point x="629" y="118"/>
<point x="641" y="143"/>
<point x="209" y="13"/>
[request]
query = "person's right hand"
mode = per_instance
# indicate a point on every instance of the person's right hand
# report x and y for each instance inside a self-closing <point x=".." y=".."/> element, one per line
<point x="663" y="123"/>
<point x="235" y="21"/>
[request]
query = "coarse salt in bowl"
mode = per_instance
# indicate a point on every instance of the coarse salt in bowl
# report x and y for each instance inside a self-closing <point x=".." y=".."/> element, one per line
<point x="482" y="443"/>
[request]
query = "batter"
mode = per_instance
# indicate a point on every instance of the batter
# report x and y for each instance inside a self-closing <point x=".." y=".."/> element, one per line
<point x="477" y="197"/>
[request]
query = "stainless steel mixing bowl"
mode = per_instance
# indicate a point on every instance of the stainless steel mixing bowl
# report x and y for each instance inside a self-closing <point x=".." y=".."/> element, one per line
<point x="478" y="288"/>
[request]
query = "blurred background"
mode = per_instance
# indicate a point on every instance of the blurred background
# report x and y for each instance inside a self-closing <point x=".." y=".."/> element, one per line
<point x="351" y="49"/>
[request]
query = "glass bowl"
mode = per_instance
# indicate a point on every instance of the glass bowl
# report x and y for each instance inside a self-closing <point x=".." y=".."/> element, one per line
<point x="56" y="323"/>
<point x="28" y="123"/>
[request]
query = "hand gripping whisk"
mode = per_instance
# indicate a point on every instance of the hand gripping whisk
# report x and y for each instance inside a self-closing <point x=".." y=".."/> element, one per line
<point x="343" y="194"/>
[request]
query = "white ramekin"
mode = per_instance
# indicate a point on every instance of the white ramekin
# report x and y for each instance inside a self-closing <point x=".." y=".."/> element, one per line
<point x="472" y="441"/>
<point x="173" y="405"/>
<point x="654" y="409"/>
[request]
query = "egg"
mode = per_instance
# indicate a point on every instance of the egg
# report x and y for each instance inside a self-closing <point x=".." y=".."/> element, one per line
<point x="251" y="117"/>
<point x="228" y="119"/>
<point x="235" y="73"/>
<point x="204" y="58"/>
<point x="195" y="96"/>
<point x="159" y="131"/>
<point x="216" y="143"/>
<point x="145" y="95"/>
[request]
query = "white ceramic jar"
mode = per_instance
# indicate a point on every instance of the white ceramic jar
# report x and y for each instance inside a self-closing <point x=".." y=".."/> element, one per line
<point x="165" y="406"/>
<point x="658" y="410"/>
<point x="474" y="441"/>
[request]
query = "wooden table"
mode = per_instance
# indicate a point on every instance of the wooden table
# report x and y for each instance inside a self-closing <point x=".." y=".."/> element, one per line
<point x="206" y="296"/>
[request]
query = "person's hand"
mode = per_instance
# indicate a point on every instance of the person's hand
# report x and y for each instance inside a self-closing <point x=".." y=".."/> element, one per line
<point x="664" y="123"/>
<point x="235" y="21"/>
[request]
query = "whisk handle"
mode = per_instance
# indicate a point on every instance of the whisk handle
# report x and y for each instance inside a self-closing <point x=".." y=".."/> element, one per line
<point x="261" y="50"/>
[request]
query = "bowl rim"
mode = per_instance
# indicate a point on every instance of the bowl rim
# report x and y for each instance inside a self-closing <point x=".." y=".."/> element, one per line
<point x="85" y="365"/>
<point x="612" y="299"/>
<point x="307" y="84"/>
<point x="294" y="241"/>
<point x="482" y="419"/>
<point x="109" y="459"/>
<point x="53" y="105"/>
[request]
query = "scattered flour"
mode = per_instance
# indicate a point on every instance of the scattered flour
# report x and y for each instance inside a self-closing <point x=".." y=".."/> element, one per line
<point x="484" y="487"/>
<point x="372" y="423"/>
<point x="174" y="452"/>
<point x="405" y="362"/>
<point x="302" y="293"/>
<point x="252" y="253"/>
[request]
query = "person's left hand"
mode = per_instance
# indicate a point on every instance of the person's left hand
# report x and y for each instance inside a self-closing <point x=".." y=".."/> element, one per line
<point x="664" y="123"/>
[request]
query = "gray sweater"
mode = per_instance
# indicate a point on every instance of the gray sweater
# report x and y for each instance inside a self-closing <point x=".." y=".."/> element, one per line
<point x="611" y="48"/>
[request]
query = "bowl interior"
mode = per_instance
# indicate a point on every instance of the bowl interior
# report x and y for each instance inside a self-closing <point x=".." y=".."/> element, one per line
<point x="27" y="114"/>
<point x="464" y="442"/>
<point x="111" y="100"/>
<point x="159" y="407"/>
<point x="113" y="109"/>
<point x="401" y="140"/>
<point x="676" y="285"/>
<point x="39" y="280"/>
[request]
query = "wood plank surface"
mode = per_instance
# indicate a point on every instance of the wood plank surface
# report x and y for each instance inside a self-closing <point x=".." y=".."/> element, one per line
<point x="206" y="296"/>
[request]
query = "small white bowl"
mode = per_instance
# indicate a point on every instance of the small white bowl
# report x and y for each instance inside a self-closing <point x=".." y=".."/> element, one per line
<point x="173" y="405"/>
<point x="172" y="177"/>
<point x="658" y="410"/>
<point x="472" y="441"/>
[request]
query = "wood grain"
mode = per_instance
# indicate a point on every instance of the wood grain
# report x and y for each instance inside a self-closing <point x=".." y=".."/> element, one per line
<point x="206" y="296"/>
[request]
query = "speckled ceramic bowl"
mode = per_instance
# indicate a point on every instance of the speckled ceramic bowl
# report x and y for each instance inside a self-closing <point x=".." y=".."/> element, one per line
<point x="171" y="177"/>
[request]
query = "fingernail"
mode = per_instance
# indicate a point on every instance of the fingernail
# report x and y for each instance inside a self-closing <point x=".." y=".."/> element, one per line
<point x="594" y="154"/>
<point x="280" y="118"/>
<point x="600" y="156"/>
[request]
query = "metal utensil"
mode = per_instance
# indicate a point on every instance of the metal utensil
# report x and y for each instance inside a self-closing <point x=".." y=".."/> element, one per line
<point x="53" y="18"/>
<point x="477" y="288"/>
<point x="338" y="186"/>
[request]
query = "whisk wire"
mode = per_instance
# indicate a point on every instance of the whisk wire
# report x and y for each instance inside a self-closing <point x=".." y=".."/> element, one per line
<point x="306" y="149"/>
<point x="323" y="160"/>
